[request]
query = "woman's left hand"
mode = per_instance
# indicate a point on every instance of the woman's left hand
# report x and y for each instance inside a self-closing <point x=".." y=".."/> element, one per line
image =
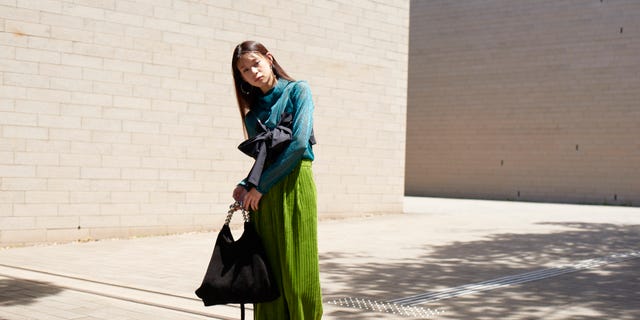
<point x="252" y="199"/>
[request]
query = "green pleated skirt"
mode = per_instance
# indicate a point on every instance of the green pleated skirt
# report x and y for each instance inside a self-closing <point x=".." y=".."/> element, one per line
<point x="287" y="222"/>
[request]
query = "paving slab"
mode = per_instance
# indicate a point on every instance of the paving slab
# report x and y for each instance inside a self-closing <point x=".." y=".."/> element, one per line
<point x="441" y="259"/>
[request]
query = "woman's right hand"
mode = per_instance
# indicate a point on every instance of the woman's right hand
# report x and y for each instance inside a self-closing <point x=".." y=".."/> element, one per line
<point x="239" y="192"/>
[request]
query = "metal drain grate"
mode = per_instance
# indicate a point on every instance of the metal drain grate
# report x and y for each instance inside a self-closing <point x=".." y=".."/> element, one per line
<point x="386" y="307"/>
<point x="515" y="279"/>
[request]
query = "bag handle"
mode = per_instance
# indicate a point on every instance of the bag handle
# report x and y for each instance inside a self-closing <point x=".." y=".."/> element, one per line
<point x="233" y="208"/>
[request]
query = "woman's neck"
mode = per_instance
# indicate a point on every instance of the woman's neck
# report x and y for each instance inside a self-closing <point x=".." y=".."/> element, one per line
<point x="270" y="85"/>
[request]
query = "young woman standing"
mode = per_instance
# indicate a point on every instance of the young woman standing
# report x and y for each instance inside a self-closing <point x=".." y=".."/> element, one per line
<point x="282" y="195"/>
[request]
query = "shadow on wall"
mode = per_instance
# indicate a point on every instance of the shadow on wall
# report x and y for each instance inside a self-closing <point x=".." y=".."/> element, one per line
<point x="15" y="291"/>
<point x="608" y="292"/>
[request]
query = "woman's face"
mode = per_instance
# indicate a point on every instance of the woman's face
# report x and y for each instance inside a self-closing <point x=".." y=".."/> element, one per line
<point x="256" y="70"/>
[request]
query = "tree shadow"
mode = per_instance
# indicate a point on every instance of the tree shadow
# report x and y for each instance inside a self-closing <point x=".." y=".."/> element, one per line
<point x="611" y="291"/>
<point x="16" y="291"/>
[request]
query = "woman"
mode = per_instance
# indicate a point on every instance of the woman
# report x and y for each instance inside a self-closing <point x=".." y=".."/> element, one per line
<point x="283" y="197"/>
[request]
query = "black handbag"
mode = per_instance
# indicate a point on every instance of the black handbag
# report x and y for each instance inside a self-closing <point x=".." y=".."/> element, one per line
<point x="238" y="271"/>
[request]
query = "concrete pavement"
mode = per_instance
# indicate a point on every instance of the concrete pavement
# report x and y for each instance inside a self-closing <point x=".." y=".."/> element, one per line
<point x="442" y="259"/>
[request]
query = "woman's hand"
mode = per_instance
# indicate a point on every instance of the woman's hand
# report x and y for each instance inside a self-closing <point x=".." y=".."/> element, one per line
<point x="252" y="199"/>
<point x="239" y="193"/>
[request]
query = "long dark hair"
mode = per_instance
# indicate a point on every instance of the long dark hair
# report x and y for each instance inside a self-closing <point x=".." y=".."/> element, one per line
<point x="246" y="93"/>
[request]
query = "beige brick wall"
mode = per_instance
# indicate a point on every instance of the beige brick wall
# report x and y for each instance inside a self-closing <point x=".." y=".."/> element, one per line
<point x="117" y="118"/>
<point x="525" y="100"/>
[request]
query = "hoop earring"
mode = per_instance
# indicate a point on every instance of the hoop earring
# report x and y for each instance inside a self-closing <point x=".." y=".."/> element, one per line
<point x="246" y="92"/>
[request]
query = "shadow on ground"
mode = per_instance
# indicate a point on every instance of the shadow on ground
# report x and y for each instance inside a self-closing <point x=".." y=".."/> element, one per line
<point x="609" y="292"/>
<point x="15" y="291"/>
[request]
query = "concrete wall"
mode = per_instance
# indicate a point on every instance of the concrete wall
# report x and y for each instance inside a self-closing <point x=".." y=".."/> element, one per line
<point x="117" y="118"/>
<point x="525" y="100"/>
